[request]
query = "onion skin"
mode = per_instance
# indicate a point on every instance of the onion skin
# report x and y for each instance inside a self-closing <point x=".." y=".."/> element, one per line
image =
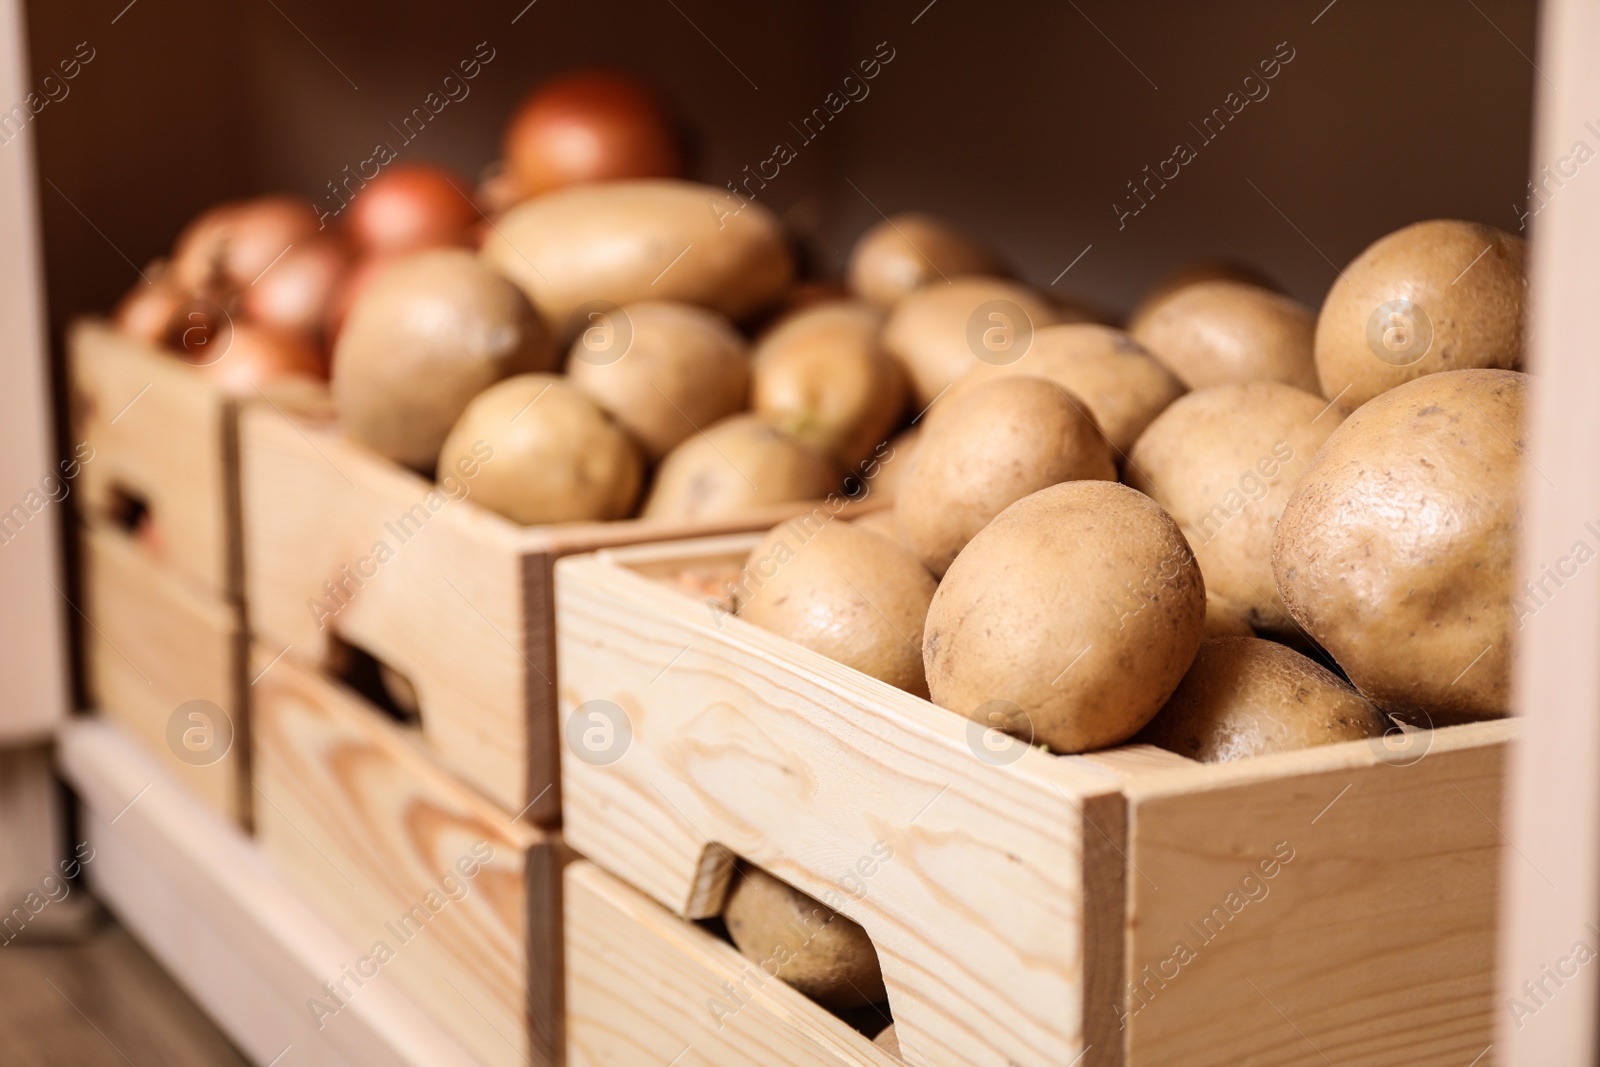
<point x="350" y="286"/>
<point x="259" y="355"/>
<point x="411" y="207"/>
<point x="228" y="246"/>
<point x="147" y="309"/>
<point x="297" y="292"/>
<point x="589" y="126"/>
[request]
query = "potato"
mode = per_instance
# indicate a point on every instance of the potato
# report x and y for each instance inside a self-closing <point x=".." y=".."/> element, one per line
<point x="735" y="465"/>
<point x="1247" y="697"/>
<point x="821" y="953"/>
<point x="844" y="592"/>
<point x="1223" y="462"/>
<point x="1195" y="274"/>
<point x="1434" y="296"/>
<point x="994" y="446"/>
<point x="880" y="522"/>
<point x="623" y="242"/>
<point x="662" y="370"/>
<point x="910" y="250"/>
<point x="944" y="329"/>
<point x="1226" y="618"/>
<point x="1076" y="612"/>
<point x="1121" y="384"/>
<point x="425" y="337"/>
<point x="886" y="478"/>
<point x="1217" y="333"/>
<point x="1396" y="550"/>
<point x="823" y="378"/>
<point x="545" y="453"/>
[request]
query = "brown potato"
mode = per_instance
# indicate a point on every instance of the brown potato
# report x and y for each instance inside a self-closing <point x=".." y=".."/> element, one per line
<point x="1122" y="385"/>
<point x="1218" y="333"/>
<point x="1223" y="462"/>
<point x="1396" y="551"/>
<point x="910" y="250"/>
<point x="1248" y="697"/>
<point x="663" y="370"/>
<point x="735" y="465"/>
<point x="943" y="330"/>
<point x="889" y="475"/>
<point x="623" y="242"/>
<point x="1072" y="616"/>
<point x="994" y="446"/>
<point x="1195" y="274"/>
<point x="426" y="336"/>
<point x="1434" y="296"/>
<point x="844" y="592"/>
<point x="544" y="453"/>
<point x="826" y="956"/>
<point x="1226" y="618"/>
<point x="822" y="377"/>
<point x="880" y="522"/>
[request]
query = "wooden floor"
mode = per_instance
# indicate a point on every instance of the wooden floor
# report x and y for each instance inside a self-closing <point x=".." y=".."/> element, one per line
<point x="100" y="1001"/>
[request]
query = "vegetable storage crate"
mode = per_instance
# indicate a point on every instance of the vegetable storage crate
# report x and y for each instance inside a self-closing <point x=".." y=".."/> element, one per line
<point x="1125" y="907"/>
<point x="348" y="547"/>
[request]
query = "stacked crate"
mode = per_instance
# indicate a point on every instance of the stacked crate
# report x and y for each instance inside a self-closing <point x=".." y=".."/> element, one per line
<point x="427" y="827"/>
<point x="1125" y="907"/>
<point x="158" y="536"/>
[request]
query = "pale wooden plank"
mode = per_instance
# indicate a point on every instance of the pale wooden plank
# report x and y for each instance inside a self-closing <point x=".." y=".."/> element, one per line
<point x="360" y="819"/>
<point x="1553" y="897"/>
<point x="206" y="904"/>
<point x="745" y="743"/>
<point x="158" y="431"/>
<point x="1372" y="944"/>
<point x="151" y="643"/>
<point x="641" y="984"/>
<point x="33" y="647"/>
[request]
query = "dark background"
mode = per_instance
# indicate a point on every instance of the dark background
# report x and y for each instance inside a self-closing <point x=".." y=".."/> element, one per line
<point x="1021" y="121"/>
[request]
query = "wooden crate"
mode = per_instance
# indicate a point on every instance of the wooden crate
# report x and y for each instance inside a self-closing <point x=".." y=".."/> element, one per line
<point x="356" y="813"/>
<point x="204" y="901"/>
<point x="160" y="437"/>
<point x="1024" y="901"/>
<point x="641" y="984"/>
<point x="347" y="546"/>
<point x="152" y="643"/>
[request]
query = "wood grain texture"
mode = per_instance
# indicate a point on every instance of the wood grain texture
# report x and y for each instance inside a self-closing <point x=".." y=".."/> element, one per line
<point x="642" y="985"/>
<point x="32" y="834"/>
<point x="742" y="742"/>
<point x="209" y="907"/>
<point x="152" y="642"/>
<point x="33" y="626"/>
<point x="159" y="432"/>
<point x="461" y="604"/>
<point x="1372" y="944"/>
<point x="359" y="817"/>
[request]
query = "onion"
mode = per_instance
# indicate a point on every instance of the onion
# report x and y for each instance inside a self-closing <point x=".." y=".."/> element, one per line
<point x="297" y="291"/>
<point x="412" y="207"/>
<point x="590" y="126"/>
<point x="147" y="309"/>
<point x="258" y="355"/>
<point x="229" y="246"/>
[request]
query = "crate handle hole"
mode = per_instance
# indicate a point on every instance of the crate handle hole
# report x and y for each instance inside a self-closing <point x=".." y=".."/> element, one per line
<point x="128" y="510"/>
<point x="389" y="689"/>
<point x="795" y="924"/>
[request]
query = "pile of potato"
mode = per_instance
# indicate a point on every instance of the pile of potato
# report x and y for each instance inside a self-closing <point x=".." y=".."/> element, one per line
<point x="1155" y="535"/>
